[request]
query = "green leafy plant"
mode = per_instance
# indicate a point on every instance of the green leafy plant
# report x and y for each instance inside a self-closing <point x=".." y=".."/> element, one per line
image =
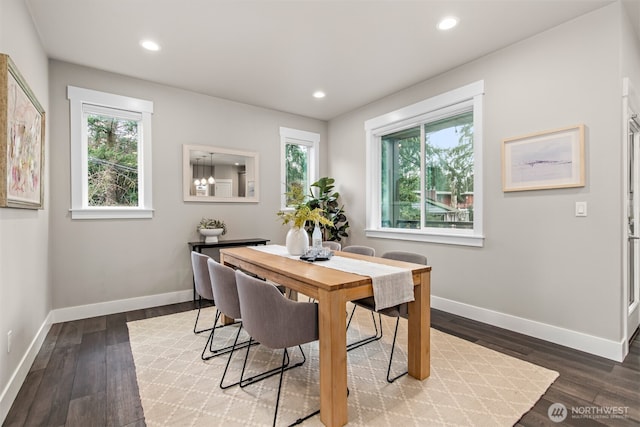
<point x="326" y="200"/>
<point x="212" y="223"/>
<point x="302" y="212"/>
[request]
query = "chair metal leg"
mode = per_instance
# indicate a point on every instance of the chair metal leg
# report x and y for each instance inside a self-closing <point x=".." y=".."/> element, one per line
<point x="269" y="373"/>
<point x="395" y="335"/>
<point x="226" y="368"/>
<point x="285" y="357"/>
<point x="195" y="326"/>
<point x="285" y="353"/>
<point x="367" y="340"/>
<point x="224" y="350"/>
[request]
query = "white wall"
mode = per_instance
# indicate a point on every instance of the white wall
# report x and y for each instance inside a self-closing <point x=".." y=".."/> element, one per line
<point x="94" y="261"/>
<point x="541" y="267"/>
<point x="25" y="297"/>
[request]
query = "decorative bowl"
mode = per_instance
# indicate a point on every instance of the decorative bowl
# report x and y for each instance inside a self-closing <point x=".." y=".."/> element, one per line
<point x="211" y="234"/>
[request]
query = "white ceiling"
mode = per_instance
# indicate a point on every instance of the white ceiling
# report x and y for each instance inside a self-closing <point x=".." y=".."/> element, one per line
<point x="275" y="54"/>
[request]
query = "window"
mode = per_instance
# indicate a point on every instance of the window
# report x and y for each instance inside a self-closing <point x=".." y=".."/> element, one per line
<point x="424" y="166"/>
<point x="299" y="161"/>
<point x="110" y="155"/>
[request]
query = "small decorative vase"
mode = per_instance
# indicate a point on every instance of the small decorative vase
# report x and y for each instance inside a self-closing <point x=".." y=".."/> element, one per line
<point x="211" y="234"/>
<point x="297" y="241"/>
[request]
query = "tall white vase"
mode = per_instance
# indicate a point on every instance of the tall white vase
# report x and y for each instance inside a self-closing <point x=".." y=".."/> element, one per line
<point x="297" y="241"/>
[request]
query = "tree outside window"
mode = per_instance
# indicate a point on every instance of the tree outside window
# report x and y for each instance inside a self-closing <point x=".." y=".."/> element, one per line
<point x="112" y="161"/>
<point x="445" y="197"/>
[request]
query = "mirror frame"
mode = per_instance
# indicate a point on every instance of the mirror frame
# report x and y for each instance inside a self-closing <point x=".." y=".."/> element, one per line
<point x="187" y="178"/>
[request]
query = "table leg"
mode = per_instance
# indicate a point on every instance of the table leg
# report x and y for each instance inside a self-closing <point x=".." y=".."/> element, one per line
<point x="333" y="358"/>
<point x="420" y="329"/>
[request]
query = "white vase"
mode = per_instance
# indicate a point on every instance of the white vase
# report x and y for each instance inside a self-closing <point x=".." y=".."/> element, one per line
<point x="211" y="234"/>
<point x="297" y="241"/>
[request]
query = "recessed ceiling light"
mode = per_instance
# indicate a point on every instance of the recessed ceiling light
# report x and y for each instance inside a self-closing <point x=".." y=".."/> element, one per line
<point x="150" y="45"/>
<point x="319" y="94"/>
<point x="447" y="23"/>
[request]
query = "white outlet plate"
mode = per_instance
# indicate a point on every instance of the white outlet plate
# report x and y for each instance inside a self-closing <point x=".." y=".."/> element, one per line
<point x="581" y="208"/>
<point x="9" y="341"/>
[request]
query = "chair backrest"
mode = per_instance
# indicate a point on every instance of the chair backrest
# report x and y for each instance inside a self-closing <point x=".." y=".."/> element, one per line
<point x="406" y="257"/>
<point x="225" y="290"/>
<point x="403" y="309"/>
<point x="362" y="250"/>
<point x="201" y="275"/>
<point x="272" y="319"/>
<point x="334" y="246"/>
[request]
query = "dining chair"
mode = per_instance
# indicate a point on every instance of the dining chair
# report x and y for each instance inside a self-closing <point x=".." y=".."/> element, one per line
<point x="369" y="251"/>
<point x="202" y="284"/>
<point x="276" y="322"/>
<point x="359" y="249"/>
<point x="400" y="310"/>
<point x="225" y="295"/>
<point x="334" y="246"/>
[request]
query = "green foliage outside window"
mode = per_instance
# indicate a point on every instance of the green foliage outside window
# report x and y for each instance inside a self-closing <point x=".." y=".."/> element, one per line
<point x="296" y="169"/>
<point x="112" y="155"/>
<point x="448" y="180"/>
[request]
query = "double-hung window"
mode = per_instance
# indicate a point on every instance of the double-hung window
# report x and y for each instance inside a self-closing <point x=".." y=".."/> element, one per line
<point x="300" y="159"/>
<point x="424" y="170"/>
<point x="110" y="155"/>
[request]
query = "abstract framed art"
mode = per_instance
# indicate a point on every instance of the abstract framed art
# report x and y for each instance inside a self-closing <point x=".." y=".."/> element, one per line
<point x="22" y="124"/>
<point x="544" y="160"/>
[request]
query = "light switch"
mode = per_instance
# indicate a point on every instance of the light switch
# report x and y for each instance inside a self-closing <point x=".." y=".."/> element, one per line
<point x="581" y="208"/>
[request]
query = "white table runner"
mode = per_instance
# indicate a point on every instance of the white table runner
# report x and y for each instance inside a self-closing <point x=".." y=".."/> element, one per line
<point x="391" y="285"/>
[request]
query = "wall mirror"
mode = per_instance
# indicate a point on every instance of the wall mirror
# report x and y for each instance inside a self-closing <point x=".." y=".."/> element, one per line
<point x="216" y="174"/>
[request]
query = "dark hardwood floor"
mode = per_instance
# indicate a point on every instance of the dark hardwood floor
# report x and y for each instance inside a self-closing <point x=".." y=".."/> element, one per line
<point x="84" y="374"/>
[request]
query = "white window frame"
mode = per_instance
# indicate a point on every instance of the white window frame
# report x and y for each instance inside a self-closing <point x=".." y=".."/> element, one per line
<point x="298" y="137"/>
<point x="446" y="104"/>
<point x="87" y="100"/>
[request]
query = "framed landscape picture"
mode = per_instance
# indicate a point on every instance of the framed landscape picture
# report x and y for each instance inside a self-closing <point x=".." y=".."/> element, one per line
<point x="545" y="160"/>
<point x="22" y="121"/>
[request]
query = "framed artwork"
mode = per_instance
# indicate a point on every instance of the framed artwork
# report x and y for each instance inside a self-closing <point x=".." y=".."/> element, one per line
<point x="22" y="122"/>
<point x="544" y="160"/>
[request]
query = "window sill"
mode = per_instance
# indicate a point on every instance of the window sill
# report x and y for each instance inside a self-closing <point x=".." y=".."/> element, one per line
<point x="111" y="213"/>
<point x="418" y="236"/>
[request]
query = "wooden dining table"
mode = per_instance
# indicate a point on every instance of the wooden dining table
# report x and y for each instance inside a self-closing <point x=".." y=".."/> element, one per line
<point x="332" y="289"/>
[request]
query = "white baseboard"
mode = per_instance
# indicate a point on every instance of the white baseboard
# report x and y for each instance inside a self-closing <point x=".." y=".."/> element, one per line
<point x="15" y="382"/>
<point x="118" y="306"/>
<point x="75" y="313"/>
<point x="609" y="349"/>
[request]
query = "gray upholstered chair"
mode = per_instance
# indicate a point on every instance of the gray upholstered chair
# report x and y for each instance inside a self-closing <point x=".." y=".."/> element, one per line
<point x="358" y="249"/>
<point x="202" y="284"/>
<point x="369" y="251"/>
<point x="225" y="295"/>
<point x="276" y="322"/>
<point x="401" y="310"/>
<point x="334" y="246"/>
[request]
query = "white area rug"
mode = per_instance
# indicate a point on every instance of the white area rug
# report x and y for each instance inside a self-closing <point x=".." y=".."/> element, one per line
<point x="469" y="385"/>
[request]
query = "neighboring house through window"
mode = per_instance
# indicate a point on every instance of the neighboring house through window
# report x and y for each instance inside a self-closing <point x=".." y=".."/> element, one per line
<point x="110" y="155"/>
<point x="300" y="159"/>
<point x="424" y="170"/>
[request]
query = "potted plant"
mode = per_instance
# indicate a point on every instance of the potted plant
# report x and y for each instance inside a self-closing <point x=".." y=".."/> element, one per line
<point x="327" y="200"/>
<point x="211" y="229"/>
<point x="297" y="240"/>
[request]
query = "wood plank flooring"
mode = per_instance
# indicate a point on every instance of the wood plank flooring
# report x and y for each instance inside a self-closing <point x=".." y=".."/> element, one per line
<point x="84" y="374"/>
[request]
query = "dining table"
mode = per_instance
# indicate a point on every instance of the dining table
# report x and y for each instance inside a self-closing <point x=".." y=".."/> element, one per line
<point x="332" y="289"/>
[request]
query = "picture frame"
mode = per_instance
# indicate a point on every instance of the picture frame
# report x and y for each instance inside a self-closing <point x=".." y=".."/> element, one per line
<point x="544" y="160"/>
<point x="22" y="126"/>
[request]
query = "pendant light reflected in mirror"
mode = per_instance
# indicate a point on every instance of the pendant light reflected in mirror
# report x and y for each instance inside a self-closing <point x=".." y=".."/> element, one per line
<point x="203" y="180"/>
<point x="211" y="179"/>
<point x="196" y="182"/>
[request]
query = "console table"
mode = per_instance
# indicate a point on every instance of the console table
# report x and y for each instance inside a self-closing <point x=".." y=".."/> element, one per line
<point x="200" y="245"/>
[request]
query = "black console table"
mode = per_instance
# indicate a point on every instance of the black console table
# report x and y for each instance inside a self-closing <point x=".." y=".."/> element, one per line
<point x="199" y="246"/>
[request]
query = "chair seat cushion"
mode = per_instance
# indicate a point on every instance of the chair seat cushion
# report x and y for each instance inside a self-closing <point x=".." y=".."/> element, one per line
<point x="369" y="303"/>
